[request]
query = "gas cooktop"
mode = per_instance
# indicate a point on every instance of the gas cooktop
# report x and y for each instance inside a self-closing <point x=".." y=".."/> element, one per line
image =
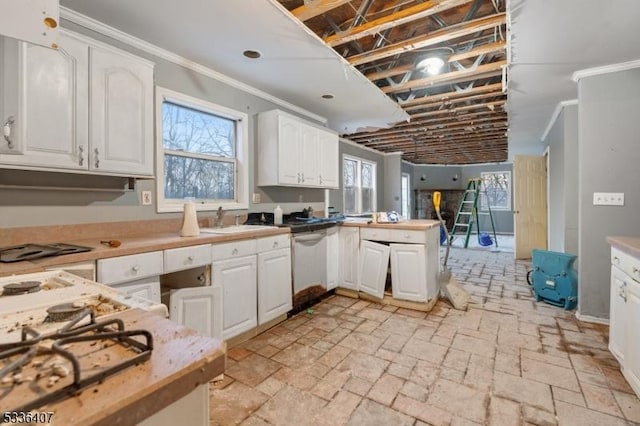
<point x="31" y="251"/>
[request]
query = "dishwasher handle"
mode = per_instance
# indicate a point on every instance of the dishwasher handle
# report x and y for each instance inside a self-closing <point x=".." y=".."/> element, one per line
<point x="309" y="237"/>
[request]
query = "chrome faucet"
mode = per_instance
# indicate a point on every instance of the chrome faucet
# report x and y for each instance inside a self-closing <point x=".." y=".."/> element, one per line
<point x="219" y="217"/>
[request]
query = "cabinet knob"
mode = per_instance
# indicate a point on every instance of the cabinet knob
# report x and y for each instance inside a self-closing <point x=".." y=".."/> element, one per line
<point x="190" y="258"/>
<point x="635" y="270"/>
<point x="275" y="244"/>
<point x="135" y="268"/>
<point x="201" y="278"/>
<point x="97" y="164"/>
<point x="6" y="129"/>
<point x="235" y="251"/>
<point x="407" y="236"/>
<point x="81" y="155"/>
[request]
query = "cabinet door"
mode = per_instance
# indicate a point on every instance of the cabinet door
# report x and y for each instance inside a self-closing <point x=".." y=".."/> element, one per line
<point x="237" y="277"/>
<point x="632" y="354"/>
<point x="35" y="21"/>
<point x="617" y="320"/>
<point x="288" y="146"/>
<point x="274" y="284"/>
<point x="409" y="272"/>
<point x="333" y="255"/>
<point x="329" y="158"/>
<point x="199" y="308"/>
<point x="349" y="247"/>
<point x="121" y="113"/>
<point x="308" y="155"/>
<point x="374" y="262"/>
<point x="148" y="288"/>
<point x="50" y="128"/>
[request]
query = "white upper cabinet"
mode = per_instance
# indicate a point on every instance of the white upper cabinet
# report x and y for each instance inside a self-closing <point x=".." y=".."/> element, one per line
<point x="84" y="107"/>
<point x="292" y="152"/>
<point x="35" y="21"/>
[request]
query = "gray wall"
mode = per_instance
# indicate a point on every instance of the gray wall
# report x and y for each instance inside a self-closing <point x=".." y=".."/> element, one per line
<point x="437" y="177"/>
<point x="335" y="196"/>
<point x="555" y="174"/>
<point x="392" y="182"/>
<point x="408" y="168"/>
<point x="609" y="125"/>
<point x="29" y="207"/>
<point x="571" y="178"/>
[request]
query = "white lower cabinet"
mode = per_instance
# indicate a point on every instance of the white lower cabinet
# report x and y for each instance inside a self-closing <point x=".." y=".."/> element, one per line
<point x="374" y="261"/>
<point x="333" y="257"/>
<point x="617" y="311"/>
<point x="632" y="356"/>
<point x="237" y="278"/>
<point x="408" y="269"/>
<point x="274" y="284"/>
<point x="348" y="250"/>
<point x="147" y="288"/>
<point x="199" y="308"/>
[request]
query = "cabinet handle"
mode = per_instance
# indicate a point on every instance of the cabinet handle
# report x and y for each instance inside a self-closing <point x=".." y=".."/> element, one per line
<point x="235" y="251"/>
<point x="6" y="129"/>
<point x="635" y="270"/>
<point x="81" y="155"/>
<point x="135" y="268"/>
<point x="298" y="177"/>
<point x="97" y="157"/>
<point x="615" y="259"/>
<point x="190" y="258"/>
<point x="320" y="179"/>
<point x="201" y="278"/>
<point x="303" y="177"/>
<point x="623" y="293"/>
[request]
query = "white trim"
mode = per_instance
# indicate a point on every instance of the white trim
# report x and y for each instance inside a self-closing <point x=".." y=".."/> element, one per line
<point x="360" y="162"/>
<point x="547" y="155"/>
<point x="605" y="69"/>
<point x="555" y="115"/>
<point x="591" y="319"/>
<point x="241" y="160"/>
<point x="108" y="31"/>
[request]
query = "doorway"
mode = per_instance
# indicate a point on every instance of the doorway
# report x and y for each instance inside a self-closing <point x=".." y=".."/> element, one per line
<point x="530" y="204"/>
<point x="405" y="196"/>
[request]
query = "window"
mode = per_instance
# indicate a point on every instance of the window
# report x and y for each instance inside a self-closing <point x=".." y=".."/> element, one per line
<point x="201" y="153"/>
<point x="497" y="190"/>
<point x="359" y="182"/>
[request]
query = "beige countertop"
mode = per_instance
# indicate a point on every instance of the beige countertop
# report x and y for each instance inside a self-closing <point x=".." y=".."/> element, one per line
<point x="630" y="245"/>
<point x="181" y="360"/>
<point x="415" y="225"/>
<point x="129" y="245"/>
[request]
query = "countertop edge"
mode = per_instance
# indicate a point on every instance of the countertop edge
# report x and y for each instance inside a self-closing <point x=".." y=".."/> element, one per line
<point x="629" y="245"/>
<point x="415" y="225"/>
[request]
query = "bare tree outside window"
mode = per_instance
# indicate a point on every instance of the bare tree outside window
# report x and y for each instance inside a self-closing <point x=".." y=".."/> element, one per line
<point x="199" y="158"/>
<point x="497" y="190"/>
<point x="359" y="185"/>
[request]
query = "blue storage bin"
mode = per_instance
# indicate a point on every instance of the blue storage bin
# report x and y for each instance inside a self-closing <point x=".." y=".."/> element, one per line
<point x="553" y="278"/>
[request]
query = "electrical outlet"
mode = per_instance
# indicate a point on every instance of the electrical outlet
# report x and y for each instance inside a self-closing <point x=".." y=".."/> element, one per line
<point x="146" y="198"/>
<point x="255" y="198"/>
<point x="608" y="198"/>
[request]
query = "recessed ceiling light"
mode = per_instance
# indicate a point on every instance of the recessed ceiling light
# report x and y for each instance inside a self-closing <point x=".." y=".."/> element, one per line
<point x="432" y="65"/>
<point x="327" y="96"/>
<point x="252" y="54"/>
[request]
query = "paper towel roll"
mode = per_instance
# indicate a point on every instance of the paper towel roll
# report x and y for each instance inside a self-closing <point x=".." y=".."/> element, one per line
<point x="190" y="226"/>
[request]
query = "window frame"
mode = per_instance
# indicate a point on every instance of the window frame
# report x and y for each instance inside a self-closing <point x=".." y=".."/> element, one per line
<point x="241" y="160"/>
<point x="484" y="199"/>
<point x="358" y="187"/>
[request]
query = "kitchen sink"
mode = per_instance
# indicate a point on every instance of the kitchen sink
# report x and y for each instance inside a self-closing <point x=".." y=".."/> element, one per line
<point x="236" y="229"/>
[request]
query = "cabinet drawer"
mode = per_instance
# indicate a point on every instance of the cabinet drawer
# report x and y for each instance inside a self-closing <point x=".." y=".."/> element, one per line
<point x="146" y="288"/>
<point x="182" y="258"/>
<point x="273" y="243"/>
<point x="409" y="237"/>
<point x="374" y="234"/>
<point x="233" y="249"/>
<point x="618" y="258"/>
<point x="129" y="268"/>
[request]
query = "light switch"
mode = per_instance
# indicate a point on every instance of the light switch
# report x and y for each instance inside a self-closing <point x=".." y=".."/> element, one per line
<point x="608" y="198"/>
<point x="255" y="198"/>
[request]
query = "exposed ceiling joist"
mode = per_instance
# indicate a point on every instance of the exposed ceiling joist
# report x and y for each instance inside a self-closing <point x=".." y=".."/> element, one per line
<point x="452" y="95"/>
<point x="448" y="102"/>
<point x="484" y="49"/>
<point x="401" y="17"/>
<point x="315" y="8"/>
<point x="436" y="37"/>
<point x="491" y="106"/>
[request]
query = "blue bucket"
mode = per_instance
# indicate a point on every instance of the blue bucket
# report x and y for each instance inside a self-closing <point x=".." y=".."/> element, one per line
<point x="443" y="235"/>
<point x="484" y="239"/>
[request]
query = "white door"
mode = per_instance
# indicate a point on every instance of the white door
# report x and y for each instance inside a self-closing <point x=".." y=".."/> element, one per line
<point x="274" y="284"/>
<point x="309" y="155"/>
<point x="121" y="113"/>
<point x="35" y="21"/>
<point x="333" y="249"/>
<point x="146" y="288"/>
<point x="237" y="277"/>
<point x="530" y="205"/>
<point x="51" y="127"/>
<point x="409" y="272"/>
<point x="288" y="145"/>
<point x="348" y="265"/>
<point x="617" y="314"/>
<point x="199" y="308"/>
<point x="405" y="196"/>
<point x="374" y="262"/>
<point x="329" y="158"/>
<point x="632" y="354"/>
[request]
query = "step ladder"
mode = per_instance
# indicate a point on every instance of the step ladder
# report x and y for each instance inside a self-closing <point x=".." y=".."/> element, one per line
<point x="468" y="214"/>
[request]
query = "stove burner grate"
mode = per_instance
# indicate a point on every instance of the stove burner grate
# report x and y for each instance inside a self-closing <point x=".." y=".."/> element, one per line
<point x="24" y="287"/>
<point x="63" y="312"/>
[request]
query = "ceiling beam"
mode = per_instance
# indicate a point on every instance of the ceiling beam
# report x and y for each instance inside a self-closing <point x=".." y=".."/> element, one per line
<point x="315" y="8"/>
<point x="486" y="70"/>
<point x="447" y="102"/>
<point x="491" y="106"/>
<point x="404" y="16"/>
<point x="454" y="31"/>
<point x="450" y="95"/>
<point x="421" y="130"/>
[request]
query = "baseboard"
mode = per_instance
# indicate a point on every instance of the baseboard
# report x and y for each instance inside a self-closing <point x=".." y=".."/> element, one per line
<point x="589" y="318"/>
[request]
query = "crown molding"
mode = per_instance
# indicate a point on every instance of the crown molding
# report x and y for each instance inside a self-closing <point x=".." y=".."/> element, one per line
<point x="555" y="115"/>
<point x="605" y="69"/>
<point x="115" y="34"/>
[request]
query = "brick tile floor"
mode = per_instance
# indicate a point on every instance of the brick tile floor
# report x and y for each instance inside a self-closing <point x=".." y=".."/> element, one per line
<point x="507" y="360"/>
